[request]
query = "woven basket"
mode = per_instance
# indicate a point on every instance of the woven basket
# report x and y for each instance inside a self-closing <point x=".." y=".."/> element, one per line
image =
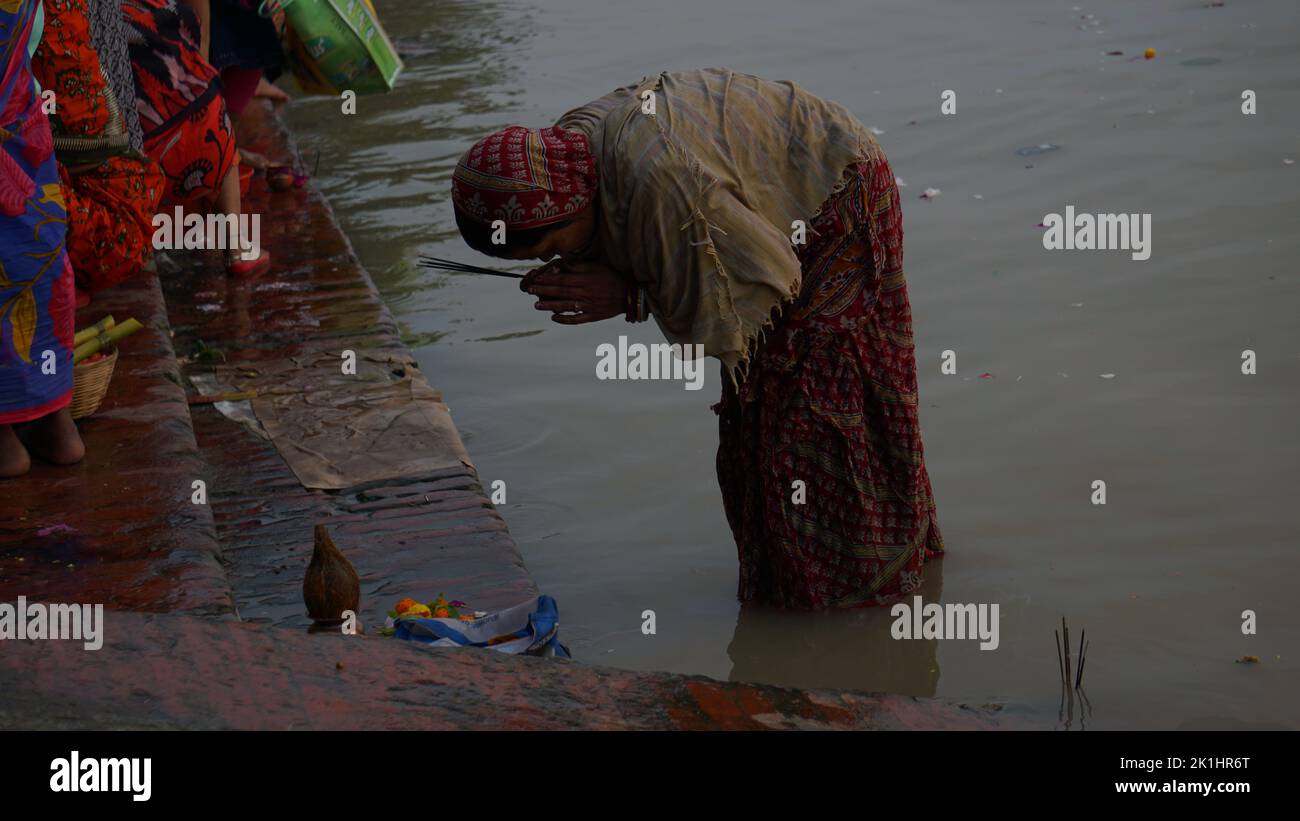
<point x="90" y="384"/>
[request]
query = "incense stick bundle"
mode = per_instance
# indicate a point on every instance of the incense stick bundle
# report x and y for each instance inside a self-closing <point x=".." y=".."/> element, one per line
<point x="454" y="267"/>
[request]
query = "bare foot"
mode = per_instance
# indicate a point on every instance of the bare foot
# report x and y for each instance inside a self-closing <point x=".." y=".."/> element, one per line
<point x="253" y="160"/>
<point x="271" y="92"/>
<point x="54" y="439"/>
<point x="14" y="460"/>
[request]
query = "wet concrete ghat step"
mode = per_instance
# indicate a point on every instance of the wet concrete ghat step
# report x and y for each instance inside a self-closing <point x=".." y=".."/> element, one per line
<point x="120" y="529"/>
<point x="173" y="671"/>
<point x="421" y="536"/>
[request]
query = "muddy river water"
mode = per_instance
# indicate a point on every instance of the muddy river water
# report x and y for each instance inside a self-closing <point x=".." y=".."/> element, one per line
<point x="1072" y="366"/>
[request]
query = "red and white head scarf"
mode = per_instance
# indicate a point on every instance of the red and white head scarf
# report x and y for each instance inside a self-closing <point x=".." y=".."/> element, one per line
<point x="528" y="177"/>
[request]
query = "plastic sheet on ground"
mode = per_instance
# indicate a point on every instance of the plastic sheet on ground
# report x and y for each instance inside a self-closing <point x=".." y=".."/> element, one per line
<point x="338" y="429"/>
<point x="240" y="411"/>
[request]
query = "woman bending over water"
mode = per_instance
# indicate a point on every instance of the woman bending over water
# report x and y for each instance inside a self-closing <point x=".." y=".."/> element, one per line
<point x="682" y="198"/>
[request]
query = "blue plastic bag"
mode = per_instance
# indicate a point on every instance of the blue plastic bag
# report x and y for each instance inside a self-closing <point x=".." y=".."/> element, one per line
<point x="530" y="628"/>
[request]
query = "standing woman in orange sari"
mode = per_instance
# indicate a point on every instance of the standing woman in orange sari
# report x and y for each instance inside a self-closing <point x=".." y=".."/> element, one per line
<point x="110" y="186"/>
<point x="183" y="115"/>
<point x="36" y="290"/>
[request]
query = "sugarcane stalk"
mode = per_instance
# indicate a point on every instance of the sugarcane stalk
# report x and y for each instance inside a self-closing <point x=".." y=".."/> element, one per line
<point x="229" y="396"/>
<point x="106" y="339"/>
<point x="93" y="331"/>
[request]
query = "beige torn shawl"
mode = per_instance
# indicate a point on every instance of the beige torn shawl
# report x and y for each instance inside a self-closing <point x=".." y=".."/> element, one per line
<point x="697" y="199"/>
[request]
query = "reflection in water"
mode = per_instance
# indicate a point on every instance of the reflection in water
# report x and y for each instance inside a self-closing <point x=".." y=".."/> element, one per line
<point x="384" y="167"/>
<point x="850" y="649"/>
<point x="1074" y="702"/>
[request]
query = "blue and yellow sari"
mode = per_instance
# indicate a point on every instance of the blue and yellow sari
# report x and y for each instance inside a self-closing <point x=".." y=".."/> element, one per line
<point x="37" y="299"/>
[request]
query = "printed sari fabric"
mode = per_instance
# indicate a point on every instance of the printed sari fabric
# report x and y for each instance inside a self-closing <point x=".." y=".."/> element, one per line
<point x="111" y="190"/>
<point x="36" y="292"/>
<point x="830" y="400"/>
<point x="178" y="95"/>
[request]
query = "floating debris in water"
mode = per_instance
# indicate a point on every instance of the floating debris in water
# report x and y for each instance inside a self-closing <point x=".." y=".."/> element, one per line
<point x="1248" y="660"/>
<point x="979" y="196"/>
<point x="876" y="131"/>
<point x="1200" y="61"/>
<point x="1150" y="54"/>
<point x="899" y="182"/>
<point x="930" y="193"/>
<point x="1041" y="148"/>
<point x="1288" y="162"/>
<point x="1108" y="376"/>
<point x="987" y="375"/>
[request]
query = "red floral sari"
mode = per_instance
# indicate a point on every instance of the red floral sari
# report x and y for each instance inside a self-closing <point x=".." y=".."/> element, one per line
<point x="178" y="95"/>
<point x="830" y="400"/>
<point x="110" y="191"/>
